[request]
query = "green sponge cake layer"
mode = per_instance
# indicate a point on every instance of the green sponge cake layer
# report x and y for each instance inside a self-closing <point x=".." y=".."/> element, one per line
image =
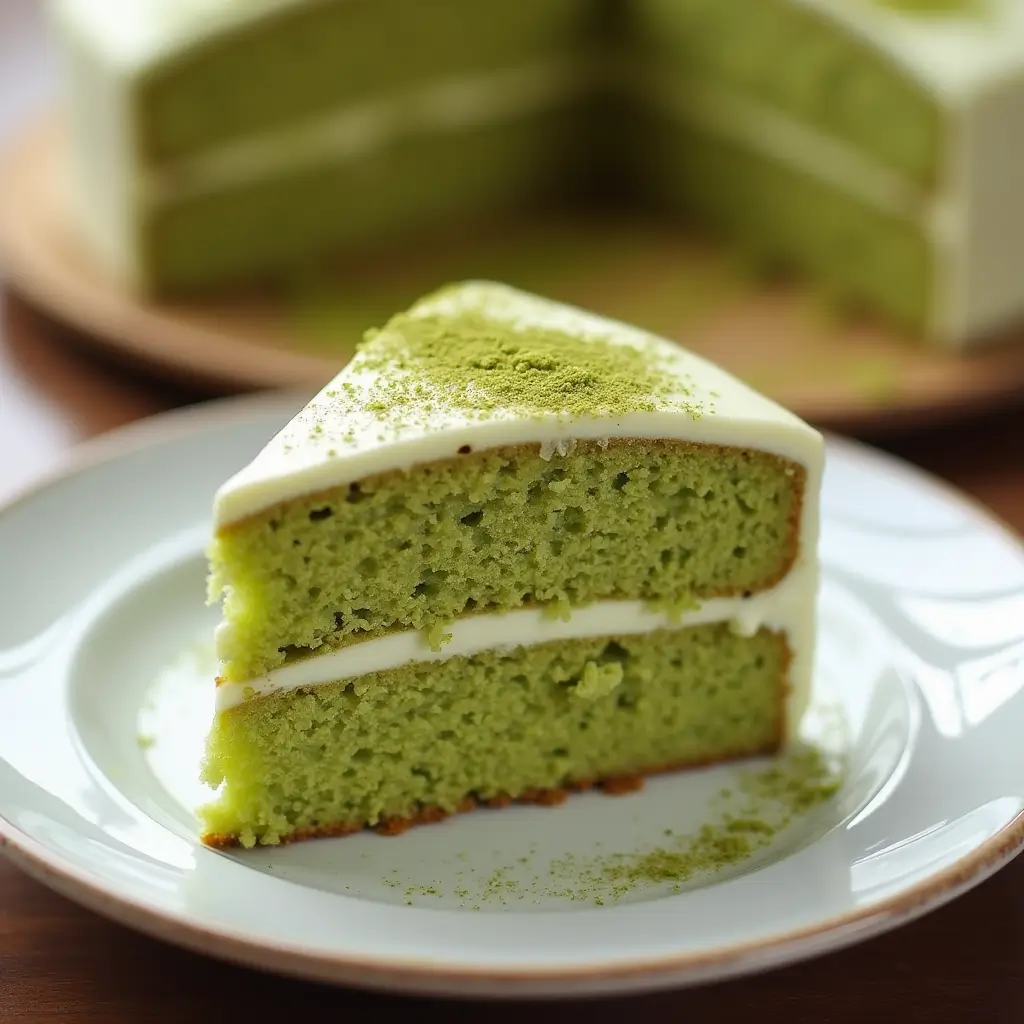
<point x="805" y="62"/>
<point x="498" y="529"/>
<point x="305" y="59"/>
<point x="406" y="182"/>
<point x="393" y="747"/>
<point x="855" y="251"/>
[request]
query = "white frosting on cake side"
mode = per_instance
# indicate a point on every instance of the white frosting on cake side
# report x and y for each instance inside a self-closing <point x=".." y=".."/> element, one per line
<point x="785" y="608"/>
<point x="135" y="35"/>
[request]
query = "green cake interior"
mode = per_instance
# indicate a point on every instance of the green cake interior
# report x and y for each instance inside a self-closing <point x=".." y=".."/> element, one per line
<point x="831" y="80"/>
<point x="794" y="59"/>
<point x="235" y="233"/>
<point x="415" y="742"/>
<point x="499" y="529"/>
<point x="856" y="253"/>
<point x="310" y="59"/>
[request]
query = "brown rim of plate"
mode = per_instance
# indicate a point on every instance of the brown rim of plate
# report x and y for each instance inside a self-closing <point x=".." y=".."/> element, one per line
<point x="420" y="975"/>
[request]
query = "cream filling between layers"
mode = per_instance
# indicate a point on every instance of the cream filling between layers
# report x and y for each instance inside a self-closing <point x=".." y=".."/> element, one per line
<point x="766" y="129"/>
<point x="111" y="193"/>
<point x="941" y="215"/>
<point x="789" y="607"/>
<point x="363" y="128"/>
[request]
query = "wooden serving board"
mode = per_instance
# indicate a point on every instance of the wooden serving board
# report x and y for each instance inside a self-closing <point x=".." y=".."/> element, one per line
<point x="841" y="375"/>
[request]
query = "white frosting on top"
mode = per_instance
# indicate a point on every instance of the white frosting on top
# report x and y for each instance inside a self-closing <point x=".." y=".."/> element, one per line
<point x="953" y="54"/>
<point x="133" y="35"/>
<point x="339" y="437"/>
<point x="789" y="608"/>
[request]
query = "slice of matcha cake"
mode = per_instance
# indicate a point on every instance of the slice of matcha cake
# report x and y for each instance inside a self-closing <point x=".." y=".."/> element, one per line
<point x="512" y="549"/>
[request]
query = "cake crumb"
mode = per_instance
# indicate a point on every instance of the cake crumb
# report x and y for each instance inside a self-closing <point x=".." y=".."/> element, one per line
<point x="598" y="680"/>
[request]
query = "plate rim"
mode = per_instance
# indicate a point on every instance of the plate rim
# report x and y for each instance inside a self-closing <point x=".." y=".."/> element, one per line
<point x="420" y="975"/>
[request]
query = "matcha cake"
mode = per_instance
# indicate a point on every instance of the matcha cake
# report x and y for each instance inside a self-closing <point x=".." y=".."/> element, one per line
<point x="512" y="549"/>
<point x="873" y="145"/>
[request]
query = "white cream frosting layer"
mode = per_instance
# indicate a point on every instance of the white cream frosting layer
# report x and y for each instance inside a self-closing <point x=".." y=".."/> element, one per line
<point x="136" y="35"/>
<point x="362" y="129"/>
<point x="784" y="608"/>
<point x="339" y="438"/>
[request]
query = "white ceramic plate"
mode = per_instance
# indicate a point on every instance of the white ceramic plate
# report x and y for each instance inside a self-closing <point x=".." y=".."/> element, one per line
<point x="104" y="697"/>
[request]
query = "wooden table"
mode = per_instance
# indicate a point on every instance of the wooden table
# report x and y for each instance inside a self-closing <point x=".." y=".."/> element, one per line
<point x="964" y="963"/>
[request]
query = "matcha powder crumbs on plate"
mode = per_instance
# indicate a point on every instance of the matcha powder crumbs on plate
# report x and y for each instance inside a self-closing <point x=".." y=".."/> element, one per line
<point x="742" y="821"/>
<point x="764" y="804"/>
<point x="470" y="361"/>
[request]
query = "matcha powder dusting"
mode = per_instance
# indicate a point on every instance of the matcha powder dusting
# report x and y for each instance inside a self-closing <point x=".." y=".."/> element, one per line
<point x="470" y="360"/>
<point x="765" y="804"/>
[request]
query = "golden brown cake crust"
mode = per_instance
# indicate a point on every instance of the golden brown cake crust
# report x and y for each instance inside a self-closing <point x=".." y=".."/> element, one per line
<point x="613" y="785"/>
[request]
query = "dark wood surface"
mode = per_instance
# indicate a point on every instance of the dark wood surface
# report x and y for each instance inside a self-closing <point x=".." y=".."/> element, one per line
<point x="59" y="962"/>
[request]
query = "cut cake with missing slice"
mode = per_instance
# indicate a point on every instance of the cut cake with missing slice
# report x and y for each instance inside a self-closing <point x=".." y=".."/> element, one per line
<point x="512" y="549"/>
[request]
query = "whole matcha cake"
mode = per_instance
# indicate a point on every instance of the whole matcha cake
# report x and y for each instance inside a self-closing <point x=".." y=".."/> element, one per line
<point x="512" y="549"/>
<point x="873" y="145"/>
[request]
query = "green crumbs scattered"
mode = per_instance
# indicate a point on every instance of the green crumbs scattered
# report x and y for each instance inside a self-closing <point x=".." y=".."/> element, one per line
<point x="742" y="821"/>
<point x="765" y="804"/>
<point x="469" y="358"/>
<point x="437" y="637"/>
